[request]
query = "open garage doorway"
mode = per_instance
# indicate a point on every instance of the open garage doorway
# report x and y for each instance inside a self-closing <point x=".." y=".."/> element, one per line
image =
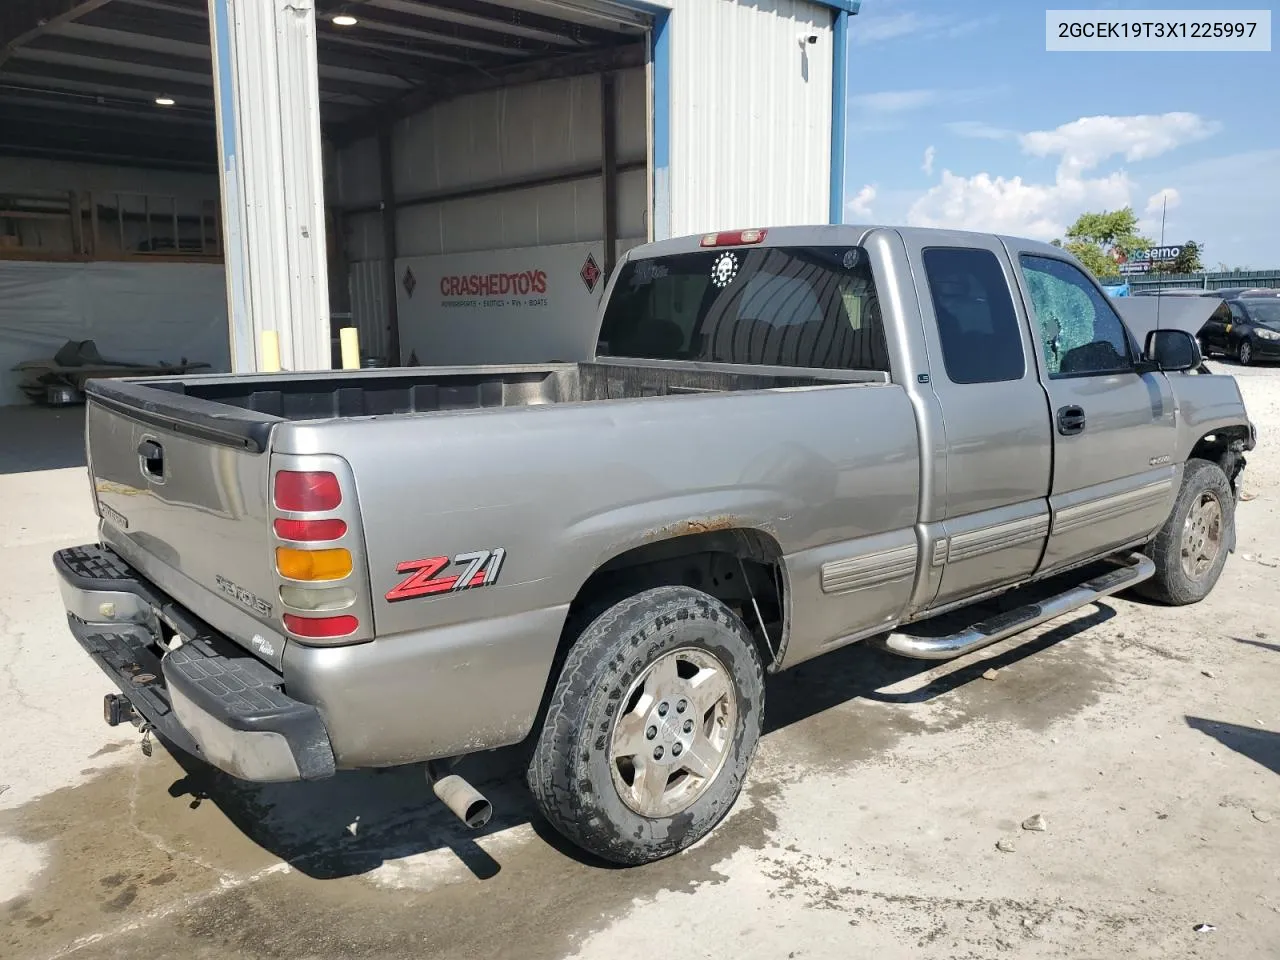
<point x="475" y="152"/>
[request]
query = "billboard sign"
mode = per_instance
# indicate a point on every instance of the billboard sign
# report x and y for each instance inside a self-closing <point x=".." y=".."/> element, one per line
<point x="1155" y="255"/>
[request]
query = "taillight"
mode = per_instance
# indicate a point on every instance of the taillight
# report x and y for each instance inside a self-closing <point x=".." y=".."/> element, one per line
<point x="310" y="531"/>
<point x="312" y="565"/>
<point x="733" y="238"/>
<point x="321" y="627"/>
<point x="309" y="492"/>
<point x="313" y="556"/>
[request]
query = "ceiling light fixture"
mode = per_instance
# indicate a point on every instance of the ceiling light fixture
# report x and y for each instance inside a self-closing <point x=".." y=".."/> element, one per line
<point x="165" y="101"/>
<point x="345" y="20"/>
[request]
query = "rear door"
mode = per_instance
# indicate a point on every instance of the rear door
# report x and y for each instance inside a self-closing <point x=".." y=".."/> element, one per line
<point x="1114" y="430"/>
<point x="993" y="527"/>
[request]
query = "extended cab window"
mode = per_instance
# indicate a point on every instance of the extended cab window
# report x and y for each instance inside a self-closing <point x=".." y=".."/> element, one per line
<point x="981" y="342"/>
<point x="774" y="306"/>
<point x="1081" y="332"/>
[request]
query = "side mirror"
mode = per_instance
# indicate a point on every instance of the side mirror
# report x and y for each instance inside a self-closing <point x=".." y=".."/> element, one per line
<point x="1172" y="350"/>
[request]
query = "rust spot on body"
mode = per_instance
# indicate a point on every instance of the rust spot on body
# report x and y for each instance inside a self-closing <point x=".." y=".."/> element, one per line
<point x="685" y="528"/>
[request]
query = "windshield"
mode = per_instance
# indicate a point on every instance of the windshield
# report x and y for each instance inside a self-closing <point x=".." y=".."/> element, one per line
<point x="1263" y="311"/>
<point x="774" y="306"/>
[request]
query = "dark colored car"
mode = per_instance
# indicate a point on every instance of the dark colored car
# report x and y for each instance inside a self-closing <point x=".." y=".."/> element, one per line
<point x="1247" y="328"/>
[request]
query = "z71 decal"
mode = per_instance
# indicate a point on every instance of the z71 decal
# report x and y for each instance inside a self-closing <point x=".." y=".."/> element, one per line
<point x="479" y="569"/>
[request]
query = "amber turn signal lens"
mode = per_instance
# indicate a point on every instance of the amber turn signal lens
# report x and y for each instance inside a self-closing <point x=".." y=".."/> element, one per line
<point x="312" y="565"/>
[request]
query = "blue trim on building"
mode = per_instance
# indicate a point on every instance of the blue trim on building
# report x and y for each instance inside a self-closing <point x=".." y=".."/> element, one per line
<point x="661" y="59"/>
<point x="839" y="107"/>
<point x="846" y="6"/>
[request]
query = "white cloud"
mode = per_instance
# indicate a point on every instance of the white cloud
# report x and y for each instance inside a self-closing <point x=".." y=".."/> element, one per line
<point x="1083" y="144"/>
<point x="929" y="154"/>
<point x="895" y="101"/>
<point x="1045" y="210"/>
<point x="977" y="130"/>
<point x="1012" y="205"/>
<point x="891" y="102"/>
<point x="860" y="205"/>
<point x="1166" y="199"/>
<point x="871" y="26"/>
<point x="908" y="23"/>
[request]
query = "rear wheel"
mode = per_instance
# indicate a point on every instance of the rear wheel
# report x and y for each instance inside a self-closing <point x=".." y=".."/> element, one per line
<point x="1245" y="353"/>
<point x="651" y="728"/>
<point x="1191" y="548"/>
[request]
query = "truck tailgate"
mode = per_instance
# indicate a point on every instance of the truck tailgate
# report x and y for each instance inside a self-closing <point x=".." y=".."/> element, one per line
<point x="185" y="501"/>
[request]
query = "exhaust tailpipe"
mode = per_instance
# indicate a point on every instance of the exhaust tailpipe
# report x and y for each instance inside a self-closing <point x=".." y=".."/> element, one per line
<point x="465" y="802"/>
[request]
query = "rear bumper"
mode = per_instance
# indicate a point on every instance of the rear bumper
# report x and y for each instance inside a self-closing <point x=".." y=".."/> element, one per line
<point x="206" y="695"/>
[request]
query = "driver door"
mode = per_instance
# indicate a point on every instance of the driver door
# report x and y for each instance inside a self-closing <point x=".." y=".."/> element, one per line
<point x="1115" y="470"/>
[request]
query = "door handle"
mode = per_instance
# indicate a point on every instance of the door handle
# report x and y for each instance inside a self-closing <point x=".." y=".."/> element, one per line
<point x="151" y="455"/>
<point x="1071" y="420"/>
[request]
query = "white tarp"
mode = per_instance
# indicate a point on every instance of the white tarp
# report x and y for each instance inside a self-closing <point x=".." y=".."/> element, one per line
<point x="529" y="305"/>
<point x="134" y="311"/>
<point x="1144" y="314"/>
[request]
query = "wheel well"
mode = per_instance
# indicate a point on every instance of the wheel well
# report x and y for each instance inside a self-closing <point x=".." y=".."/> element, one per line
<point x="740" y="567"/>
<point x="1225" y="447"/>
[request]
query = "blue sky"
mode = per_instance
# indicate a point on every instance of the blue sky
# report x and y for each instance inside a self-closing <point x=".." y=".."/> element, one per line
<point x="959" y="117"/>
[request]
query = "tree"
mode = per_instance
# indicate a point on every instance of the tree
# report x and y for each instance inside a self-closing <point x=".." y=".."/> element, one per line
<point x="1188" y="261"/>
<point x="1097" y="239"/>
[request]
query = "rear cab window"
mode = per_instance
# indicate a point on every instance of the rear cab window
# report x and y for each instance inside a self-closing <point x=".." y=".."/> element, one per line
<point x="977" y="324"/>
<point x="814" y="307"/>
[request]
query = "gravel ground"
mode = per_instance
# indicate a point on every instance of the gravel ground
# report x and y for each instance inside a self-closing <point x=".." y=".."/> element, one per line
<point x="885" y="815"/>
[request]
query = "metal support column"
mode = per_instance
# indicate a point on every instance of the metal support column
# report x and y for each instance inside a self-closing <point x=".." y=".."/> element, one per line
<point x="266" y="88"/>
<point x="609" y="167"/>
<point x="390" y="248"/>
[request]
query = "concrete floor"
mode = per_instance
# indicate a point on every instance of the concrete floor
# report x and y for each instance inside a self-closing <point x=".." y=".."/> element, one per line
<point x="1148" y="738"/>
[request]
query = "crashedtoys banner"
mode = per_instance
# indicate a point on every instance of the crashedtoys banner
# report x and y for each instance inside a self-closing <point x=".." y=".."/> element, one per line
<point x="530" y="305"/>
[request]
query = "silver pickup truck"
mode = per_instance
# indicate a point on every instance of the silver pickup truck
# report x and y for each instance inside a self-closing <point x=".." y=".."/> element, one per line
<point x="789" y="440"/>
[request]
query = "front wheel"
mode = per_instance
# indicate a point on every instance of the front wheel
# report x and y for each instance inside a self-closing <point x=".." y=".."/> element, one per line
<point x="651" y="728"/>
<point x="1245" y="353"/>
<point x="1191" y="548"/>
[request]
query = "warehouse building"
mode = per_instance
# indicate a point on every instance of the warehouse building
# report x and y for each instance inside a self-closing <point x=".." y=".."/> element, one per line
<point x="453" y="177"/>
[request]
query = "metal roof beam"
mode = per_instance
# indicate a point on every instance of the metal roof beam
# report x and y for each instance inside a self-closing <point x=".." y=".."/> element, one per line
<point x="395" y="23"/>
<point x="62" y="76"/>
<point x="491" y="16"/>
<point x="64" y="103"/>
<point x="21" y="21"/>
<point x="129" y="18"/>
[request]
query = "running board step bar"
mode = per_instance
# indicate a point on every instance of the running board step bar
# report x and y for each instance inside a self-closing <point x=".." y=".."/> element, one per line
<point x="1136" y="568"/>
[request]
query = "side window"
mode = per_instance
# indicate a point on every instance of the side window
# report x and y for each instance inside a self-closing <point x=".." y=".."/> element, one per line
<point x="981" y="342"/>
<point x="1081" y="332"/>
<point x="1237" y="315"/>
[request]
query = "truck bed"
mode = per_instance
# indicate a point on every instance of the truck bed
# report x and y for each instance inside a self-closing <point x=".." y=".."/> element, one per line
<point x="315" y="396"/>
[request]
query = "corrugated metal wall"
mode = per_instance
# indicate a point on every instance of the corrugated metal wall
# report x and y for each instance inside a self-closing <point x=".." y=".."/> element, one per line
<point x="535" y="130"/>
<point x="750" y="114"/>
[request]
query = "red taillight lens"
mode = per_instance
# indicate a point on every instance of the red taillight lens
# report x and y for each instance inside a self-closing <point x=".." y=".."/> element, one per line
<point x="321" y="627"/>
<point x="310" y="531"/>
<point x="307" y="492"/>
<point x="733" y="238"/>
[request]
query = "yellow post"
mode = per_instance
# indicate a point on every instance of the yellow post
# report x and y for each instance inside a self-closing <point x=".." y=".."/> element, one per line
<point x="270" y="360"/>
<point x="350" y="338"/>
